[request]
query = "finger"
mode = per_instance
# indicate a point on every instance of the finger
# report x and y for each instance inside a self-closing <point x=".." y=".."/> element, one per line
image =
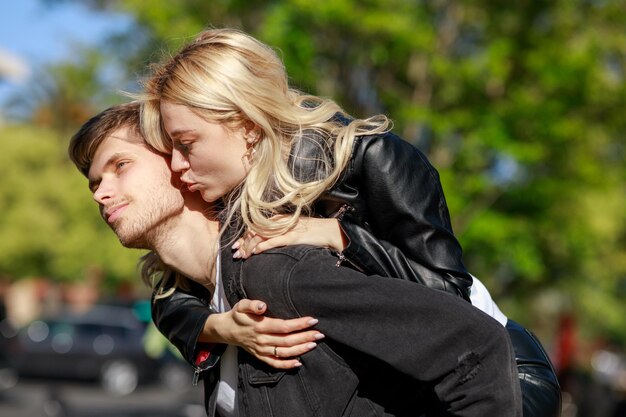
<point x="292" y="352"/>
<point x="249" y="247"/>
<point x="279" y="326"/>
<point x="290" y="340"/>
<point x="275" y="242"/>
<point x="241" y="245"/>
<point x="288" y="363"/>
<point x="251" y="306"/>
<point x="236" y="248"/>
<point x="247" y="236"/>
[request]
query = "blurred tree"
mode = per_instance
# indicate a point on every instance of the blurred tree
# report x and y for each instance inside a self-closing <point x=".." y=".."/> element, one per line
<point x="518" y="104"/>
<point x="64" y="95"/>
<point x="49" y="225"/>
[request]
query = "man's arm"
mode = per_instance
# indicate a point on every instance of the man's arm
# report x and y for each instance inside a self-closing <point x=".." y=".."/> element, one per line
<point x="181" y="317"/>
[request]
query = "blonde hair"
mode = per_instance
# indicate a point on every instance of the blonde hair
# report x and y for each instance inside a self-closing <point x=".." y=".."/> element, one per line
<point x="162" y="279"/>
<point x="229" y="77"/>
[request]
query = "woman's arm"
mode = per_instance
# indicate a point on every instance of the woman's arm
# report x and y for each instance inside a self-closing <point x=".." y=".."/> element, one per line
<point x="245" y="325"/>
<point x="397" y="212"/>
<point x="354" y="244"/>
<point x="186" y="319"/>
<point x="315" y="231"/>
<point x="394" y="220"/>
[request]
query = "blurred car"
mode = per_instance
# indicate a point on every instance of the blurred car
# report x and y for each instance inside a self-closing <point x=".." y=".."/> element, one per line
<point x="8" y="375"/>
<point x="105" y="344"/>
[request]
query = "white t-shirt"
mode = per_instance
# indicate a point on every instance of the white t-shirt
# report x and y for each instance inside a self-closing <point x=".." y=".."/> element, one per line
<point x="481" y="299"/>
<point x="227" y="385"/>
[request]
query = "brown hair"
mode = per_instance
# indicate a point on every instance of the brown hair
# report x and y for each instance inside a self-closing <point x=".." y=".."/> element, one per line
<point x="84" y="144"/>
<point x="82" y="148"/>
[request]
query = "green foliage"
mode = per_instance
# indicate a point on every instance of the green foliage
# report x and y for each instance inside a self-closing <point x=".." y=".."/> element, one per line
<point x="518" y="104"/>
<point x="49" y="224"/>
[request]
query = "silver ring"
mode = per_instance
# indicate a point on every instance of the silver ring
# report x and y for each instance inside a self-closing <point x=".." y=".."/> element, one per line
<point x="275" y="354"/>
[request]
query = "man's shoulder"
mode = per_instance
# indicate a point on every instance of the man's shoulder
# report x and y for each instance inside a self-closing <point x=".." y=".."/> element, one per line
<point x="291" y="254"/>
<point x="287" y="260"/>
<point x="283" y="257"/>
<point x="271" y="270"/>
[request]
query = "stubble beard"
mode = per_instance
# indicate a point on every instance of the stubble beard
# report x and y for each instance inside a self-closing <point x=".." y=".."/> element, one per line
<point x="152" y="221"/>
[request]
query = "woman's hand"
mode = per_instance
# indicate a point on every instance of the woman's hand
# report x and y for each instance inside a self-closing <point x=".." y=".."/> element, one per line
<point x="276" y="342"/>
<point x="308" y="231"/>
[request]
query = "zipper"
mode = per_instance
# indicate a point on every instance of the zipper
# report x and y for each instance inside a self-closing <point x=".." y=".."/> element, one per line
<point x="345" y="207"/>
<point x="197" y="370"/>
<point x="342" y="211"/>
<point x="341" y="258"/>
<point x="206" y="360"/>
<point x="196" y="376"/>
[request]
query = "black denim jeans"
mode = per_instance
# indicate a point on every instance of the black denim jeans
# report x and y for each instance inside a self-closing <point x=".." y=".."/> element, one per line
<point x="391" y="347"/>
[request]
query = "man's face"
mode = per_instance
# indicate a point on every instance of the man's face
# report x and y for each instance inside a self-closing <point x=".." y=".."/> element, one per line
<point x="135" y="189"/>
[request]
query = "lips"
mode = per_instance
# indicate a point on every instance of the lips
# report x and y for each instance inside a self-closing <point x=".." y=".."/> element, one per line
<point x="193" y="187"/>
<point x="189" y="185"/>
<point x="113" y="213"/>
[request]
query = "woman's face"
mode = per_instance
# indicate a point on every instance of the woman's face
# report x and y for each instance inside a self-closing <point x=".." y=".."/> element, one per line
<point x="210" y="156"/>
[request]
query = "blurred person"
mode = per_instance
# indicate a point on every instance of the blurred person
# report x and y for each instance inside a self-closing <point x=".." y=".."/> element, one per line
<point x="382" y="206"/>
<point x="440" y="355"/>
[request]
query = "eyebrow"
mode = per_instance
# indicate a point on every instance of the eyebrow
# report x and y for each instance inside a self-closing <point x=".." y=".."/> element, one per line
<point x="176" y="133"/>
<point x="111" y="161"/>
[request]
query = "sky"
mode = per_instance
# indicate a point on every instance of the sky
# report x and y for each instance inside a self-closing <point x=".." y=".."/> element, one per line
<point x="33" y="34"/>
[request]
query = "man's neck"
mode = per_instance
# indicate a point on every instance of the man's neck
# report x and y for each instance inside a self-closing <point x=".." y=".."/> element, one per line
<point x="190" y="244"/>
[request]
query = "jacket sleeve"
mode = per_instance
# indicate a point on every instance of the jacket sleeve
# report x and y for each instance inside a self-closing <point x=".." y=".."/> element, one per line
<point x="180" y="317"/>
<point x="399" y="224"/>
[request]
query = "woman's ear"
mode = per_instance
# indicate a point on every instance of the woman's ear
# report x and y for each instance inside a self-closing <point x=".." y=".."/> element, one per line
<point x="252" y="133"/>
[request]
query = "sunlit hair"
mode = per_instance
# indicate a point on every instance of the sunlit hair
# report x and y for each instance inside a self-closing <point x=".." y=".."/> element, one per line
<point x="229" y="77"/>
<point x="85" y="142"/>
<point x="161" y="278"/>
<point x="83" y="146"/>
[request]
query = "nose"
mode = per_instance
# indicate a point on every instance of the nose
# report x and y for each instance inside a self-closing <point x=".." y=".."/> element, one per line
<point x="104" y="192"/>
<point x="179" y="161"/>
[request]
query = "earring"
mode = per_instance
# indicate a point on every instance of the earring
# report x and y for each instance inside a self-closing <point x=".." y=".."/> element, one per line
<point x="249" y="154"/>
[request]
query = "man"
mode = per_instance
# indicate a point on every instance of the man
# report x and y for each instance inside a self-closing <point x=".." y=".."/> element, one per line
<point x="440" y="355"/>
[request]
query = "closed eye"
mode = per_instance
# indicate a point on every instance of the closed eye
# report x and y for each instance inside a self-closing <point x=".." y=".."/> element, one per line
<point x="182" y="147"/>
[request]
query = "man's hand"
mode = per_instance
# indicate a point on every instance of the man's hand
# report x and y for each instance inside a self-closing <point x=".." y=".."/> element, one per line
<point x="276" y="342"/>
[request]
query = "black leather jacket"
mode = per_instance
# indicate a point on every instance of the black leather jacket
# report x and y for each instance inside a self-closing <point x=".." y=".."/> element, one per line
<point x="389" y="202"/>
<point x="391" y="206"/>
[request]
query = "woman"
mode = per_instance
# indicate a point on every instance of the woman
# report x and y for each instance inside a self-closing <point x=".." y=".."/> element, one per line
<point x="237" y="132"/>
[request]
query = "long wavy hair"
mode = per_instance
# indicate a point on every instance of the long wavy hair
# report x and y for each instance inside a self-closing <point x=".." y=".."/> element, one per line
<point x="227" y="76"/>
